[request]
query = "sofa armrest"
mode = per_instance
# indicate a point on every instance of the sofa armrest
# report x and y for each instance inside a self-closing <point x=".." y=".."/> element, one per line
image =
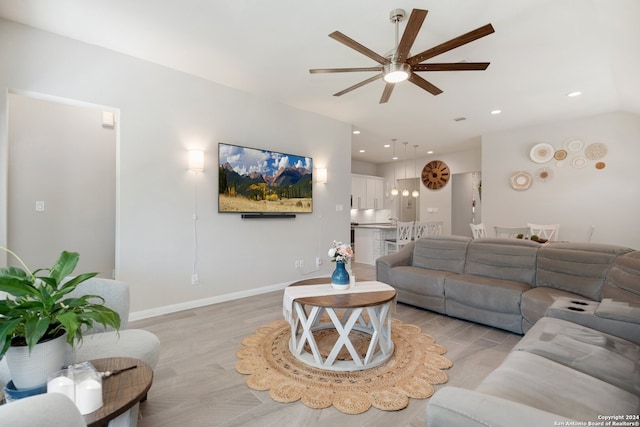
<point x="49" y="409"/>
<point x="385" y="263"/>
<point x="459" y="407"/>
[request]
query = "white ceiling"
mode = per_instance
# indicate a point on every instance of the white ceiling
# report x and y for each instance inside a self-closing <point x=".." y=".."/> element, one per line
<point x="541" y="50"/>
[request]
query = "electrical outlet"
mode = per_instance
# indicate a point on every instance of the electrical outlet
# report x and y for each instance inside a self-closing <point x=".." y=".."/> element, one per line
<point x="194" y="279"/>
<point x="318" y="261"/>
<point x="296" y="264"/>
<point x="301" y="263"/>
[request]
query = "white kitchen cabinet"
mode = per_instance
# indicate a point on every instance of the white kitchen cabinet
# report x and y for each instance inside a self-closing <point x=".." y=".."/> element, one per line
<point x="358" y="192"/>
<point x="367" y="192"/>
<point x="375" y="193"/>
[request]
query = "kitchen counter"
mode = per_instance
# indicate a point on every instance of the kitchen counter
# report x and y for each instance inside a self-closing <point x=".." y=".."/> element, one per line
<point x="379" y="225"/>
<point x="369" y="243"/>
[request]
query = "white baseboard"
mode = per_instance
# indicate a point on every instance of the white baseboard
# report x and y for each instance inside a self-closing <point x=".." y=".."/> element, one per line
<point x="167" y="309"/>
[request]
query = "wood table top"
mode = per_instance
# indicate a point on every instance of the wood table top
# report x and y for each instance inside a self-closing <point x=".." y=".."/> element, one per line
<point x="122" y="391"/>
<point x="343" y="300"/>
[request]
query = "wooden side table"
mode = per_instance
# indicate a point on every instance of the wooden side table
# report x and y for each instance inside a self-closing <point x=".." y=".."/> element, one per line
<point x="122" y="391"/>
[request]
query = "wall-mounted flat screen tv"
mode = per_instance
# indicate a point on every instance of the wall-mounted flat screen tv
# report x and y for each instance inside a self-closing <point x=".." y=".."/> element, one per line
<point x="253" y="180"/>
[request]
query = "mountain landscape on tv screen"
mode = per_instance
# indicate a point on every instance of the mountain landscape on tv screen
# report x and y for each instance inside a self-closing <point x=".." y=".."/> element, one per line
<point x="289" y="190"/>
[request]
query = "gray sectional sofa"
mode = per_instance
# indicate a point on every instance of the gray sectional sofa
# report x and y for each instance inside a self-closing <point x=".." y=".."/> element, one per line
<point x="579" y="305"/>
<point x="505" y="283"/>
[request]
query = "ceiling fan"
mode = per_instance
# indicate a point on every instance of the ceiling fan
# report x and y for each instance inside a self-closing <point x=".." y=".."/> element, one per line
<point x="398" y="66"/>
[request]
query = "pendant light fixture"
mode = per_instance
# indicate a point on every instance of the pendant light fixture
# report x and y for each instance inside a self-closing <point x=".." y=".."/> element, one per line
<point x="415" y="192"/>
<point x="405" y="192"/>
<point x="394" y="189"/>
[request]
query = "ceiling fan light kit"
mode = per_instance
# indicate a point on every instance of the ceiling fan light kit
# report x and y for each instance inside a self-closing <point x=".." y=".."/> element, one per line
<point x="399" y="65"/>
<point x="396" y="72"/>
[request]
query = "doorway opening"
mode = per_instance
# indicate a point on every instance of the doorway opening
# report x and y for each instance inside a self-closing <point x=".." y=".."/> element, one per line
<point x="62" y="182"/>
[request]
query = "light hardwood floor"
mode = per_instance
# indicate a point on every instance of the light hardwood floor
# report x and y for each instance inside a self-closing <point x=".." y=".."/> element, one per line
<point x="196" y="384"/>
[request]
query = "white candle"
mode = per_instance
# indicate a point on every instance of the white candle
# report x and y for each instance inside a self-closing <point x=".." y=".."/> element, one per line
<point x="62" y="385"/>
<point x="88" y="396"/>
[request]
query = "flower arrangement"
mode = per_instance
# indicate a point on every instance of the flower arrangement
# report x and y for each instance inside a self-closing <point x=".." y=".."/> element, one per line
<point x="340" y="252"/>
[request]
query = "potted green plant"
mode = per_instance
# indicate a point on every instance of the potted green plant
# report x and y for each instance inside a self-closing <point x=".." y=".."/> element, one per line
<point x="39" y="310"/>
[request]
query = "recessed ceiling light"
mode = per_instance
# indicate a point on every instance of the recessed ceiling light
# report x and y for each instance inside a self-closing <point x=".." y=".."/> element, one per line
<point x="494" y="112"/>
<point x="573" y="94"/>
<point x="387" y="145"/>
<point x="430" y="152"/>
<point x="362" y="151"/>
<point x="356" y="132"/>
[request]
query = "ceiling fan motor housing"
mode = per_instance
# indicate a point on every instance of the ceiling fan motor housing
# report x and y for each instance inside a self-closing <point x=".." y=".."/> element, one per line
<point x="397" y="15"/>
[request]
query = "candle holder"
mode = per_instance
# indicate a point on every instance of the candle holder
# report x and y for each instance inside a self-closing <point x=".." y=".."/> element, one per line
<point x="81" y="383"/>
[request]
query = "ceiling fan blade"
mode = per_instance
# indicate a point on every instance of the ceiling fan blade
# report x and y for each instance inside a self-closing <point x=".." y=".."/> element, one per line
<point x="386" y="93"/>
<point x="343" y="70"/>
<point x="451" y="44"/>
<point x="452" y="66"/>
<point x="357" y="85"/>
<point x="419" y="81"/>
<point x="347" y="41"/>
<point x="410" y="33"/>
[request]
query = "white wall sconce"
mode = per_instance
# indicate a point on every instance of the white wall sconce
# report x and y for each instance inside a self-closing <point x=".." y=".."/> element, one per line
<point x="321" y="175"/>
<point x="196" y="160"/>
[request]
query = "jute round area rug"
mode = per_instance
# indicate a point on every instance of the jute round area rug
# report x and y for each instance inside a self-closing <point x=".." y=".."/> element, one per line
<point x="416" y="364"/>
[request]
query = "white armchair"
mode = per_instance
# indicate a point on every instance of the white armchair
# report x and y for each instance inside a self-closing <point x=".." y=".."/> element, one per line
<point x="43" y="410"/>
<point x="100" y="343"/>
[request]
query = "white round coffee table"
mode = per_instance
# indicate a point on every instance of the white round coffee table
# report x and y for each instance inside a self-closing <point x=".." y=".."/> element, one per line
<point x="347" y="311"/>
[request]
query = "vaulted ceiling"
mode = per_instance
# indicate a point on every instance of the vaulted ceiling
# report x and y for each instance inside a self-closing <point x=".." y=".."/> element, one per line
<point x="540" y="51"/>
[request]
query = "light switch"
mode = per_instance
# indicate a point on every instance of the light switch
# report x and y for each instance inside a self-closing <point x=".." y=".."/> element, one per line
<point x="108" y="119"/>
<point x="39" y="206"/>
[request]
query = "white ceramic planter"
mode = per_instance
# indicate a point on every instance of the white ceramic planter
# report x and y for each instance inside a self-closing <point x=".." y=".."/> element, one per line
<point x="31" y="370"/>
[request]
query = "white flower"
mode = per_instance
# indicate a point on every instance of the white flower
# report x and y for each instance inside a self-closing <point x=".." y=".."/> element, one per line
<point x="340" y="252"/>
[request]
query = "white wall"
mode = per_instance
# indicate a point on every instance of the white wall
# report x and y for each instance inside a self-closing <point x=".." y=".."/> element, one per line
<point x="574" y="198"/>
<point x="364" y="168"/>
<point x="460" y="162"/>
<point x="163" y="114"/>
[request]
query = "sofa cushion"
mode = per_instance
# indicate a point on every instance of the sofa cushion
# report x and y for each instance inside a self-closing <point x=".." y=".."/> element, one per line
<point x="507" y="321"/>
<point x="419" y="280"/>
<point x="579" y="268"/>
<point x="487" y="293"/>
<point x="539" y="382"/>
<point x="509" y="259"/>
<point x="623" y="279"/>
<point x="445" y="253"/>
<point x="587" y="350"/>
<point x="619" y="310"/>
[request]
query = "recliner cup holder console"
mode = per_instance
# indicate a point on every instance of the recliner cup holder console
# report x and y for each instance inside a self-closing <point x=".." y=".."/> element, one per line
<point x="577" y="305"/>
